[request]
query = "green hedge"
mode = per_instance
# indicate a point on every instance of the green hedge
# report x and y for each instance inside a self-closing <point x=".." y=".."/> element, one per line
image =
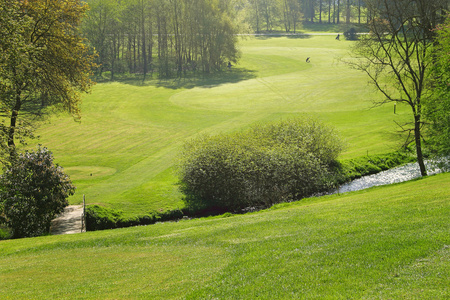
<point x="99" y="218"/>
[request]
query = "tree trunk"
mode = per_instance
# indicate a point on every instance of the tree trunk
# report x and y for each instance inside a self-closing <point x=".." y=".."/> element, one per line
<point x="347" y="13"/>
<point x="320" y="11"/>
<point x="13" y="123"/>
<point x="144" y="49"/>
<point x="359" y="11"/>
<point x="329" y="11"/>
<point x="418" y="140"/>
<point x="338" y="11"/>
<point x="334" y="12"/>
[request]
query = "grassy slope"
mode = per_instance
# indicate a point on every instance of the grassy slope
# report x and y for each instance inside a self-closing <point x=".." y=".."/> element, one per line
<point x="384" y="243"/>
<point x="123" y="152"/>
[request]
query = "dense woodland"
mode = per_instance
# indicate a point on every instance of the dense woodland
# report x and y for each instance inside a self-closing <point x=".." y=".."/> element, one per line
<point x="172" y="37"/>
<point x="169" y="37"/>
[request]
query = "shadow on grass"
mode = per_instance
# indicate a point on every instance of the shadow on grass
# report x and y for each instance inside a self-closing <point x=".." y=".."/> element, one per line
<point x="333" y="28"/>
<point x="188" y="81"/>
<point x="273" y="34"/>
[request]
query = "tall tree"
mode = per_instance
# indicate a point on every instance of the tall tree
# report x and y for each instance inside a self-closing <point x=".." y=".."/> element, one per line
<point x="437" y="108"/>
<point x="338" y="11"/>
<point x="101" y="29"/>
<point x="320" y="11"/>
<point x="329" y="11"/>
<point x="347" y="12"/>
<point x="359" y="11"/>
<point x="291" y="14"/>
<point x="395" y="56"/>
<point x="46" y="64"/>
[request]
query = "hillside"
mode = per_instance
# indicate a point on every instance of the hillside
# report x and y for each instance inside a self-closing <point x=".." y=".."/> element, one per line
<point x="389" y="242"/>
<point x="122" y="154"/>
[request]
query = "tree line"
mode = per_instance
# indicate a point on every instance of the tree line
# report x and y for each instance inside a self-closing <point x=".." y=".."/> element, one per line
<point x="170" y="37"/>
<point x="267" y="15"/>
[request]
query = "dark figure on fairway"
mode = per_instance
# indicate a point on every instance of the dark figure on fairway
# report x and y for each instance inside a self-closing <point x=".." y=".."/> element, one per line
<point x="307" y="60"/>
<point x="337" y="38"/>
<point x="229" y="65"/>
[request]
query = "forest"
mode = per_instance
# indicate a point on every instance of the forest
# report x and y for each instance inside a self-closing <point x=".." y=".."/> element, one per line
<point x="174" y="37"/>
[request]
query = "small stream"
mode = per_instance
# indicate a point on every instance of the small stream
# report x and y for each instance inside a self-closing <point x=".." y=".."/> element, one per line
<point x="394" y="175"/>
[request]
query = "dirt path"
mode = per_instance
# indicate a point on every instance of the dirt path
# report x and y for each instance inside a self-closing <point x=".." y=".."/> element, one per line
<point x="69" y="221"/>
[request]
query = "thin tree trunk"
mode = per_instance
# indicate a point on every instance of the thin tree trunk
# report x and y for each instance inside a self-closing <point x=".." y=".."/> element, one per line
<point x="338" y="10"/>
<point x="144" y="49"/>
<point x="418" y="140"/>
<point x="334" y="12"/>
<point x="320" y="11"/>
<point x="329" y="11"/>
<point x="359" y="11"/>
<point x="347" y="13"/>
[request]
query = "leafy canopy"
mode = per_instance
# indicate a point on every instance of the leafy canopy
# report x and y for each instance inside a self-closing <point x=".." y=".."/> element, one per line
<point x="437" y="108"/>
<point x="44" y="62"/>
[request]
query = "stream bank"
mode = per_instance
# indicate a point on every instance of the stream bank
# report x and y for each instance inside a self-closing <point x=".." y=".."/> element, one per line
<point x="399" y="174"/>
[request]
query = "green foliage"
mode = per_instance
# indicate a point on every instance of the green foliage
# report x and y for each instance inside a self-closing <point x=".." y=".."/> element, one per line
<point x="437" y="108"/>
<point x="170" y="37"/>
<point x="5" y="233"/>
<point x="351" y="34"/>
<point x="396" y="55"/>
<point x="357" y="167"/>
<point x="43" y="62"/>
<point x="32" y="192"/>
<point x="264" y="165"/>
<point x="100" y="218"/>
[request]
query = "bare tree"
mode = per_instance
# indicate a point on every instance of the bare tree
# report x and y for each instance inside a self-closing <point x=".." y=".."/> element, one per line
<point x="396" y="56"/>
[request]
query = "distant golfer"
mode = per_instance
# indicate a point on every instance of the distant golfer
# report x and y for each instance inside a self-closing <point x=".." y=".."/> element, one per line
<point x="307" y="60"/>
<point x="337" y="38"/>
<point x="229" y="65"/>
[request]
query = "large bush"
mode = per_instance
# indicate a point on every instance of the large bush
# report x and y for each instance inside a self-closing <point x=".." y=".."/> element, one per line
<point x="33" y="190"/>
<point x="266" y="164"/>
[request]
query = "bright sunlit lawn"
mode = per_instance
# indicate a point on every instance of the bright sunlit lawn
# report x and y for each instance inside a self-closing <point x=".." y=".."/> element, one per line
<point x="123" y="153"/>
<point x="383" y="243"/>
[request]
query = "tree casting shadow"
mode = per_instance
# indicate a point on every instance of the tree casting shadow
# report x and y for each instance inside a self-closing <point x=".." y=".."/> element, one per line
<point x="188" y="81"/>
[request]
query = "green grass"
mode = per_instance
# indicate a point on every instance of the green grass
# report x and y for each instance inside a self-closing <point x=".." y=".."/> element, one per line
<point x="383" y="243"/>
<point x="122" y="154"/>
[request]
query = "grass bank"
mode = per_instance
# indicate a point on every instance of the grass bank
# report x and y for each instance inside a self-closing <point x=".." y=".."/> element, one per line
<point x="383" y="243"/>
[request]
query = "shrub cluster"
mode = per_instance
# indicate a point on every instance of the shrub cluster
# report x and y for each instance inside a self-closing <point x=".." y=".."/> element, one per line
<point x="33" y="191"/>
<point x="351" y="34"/>
<point x="266" y="164"/>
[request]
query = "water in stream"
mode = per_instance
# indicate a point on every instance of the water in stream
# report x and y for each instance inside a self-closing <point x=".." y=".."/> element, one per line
<point x="394" y="175"/>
